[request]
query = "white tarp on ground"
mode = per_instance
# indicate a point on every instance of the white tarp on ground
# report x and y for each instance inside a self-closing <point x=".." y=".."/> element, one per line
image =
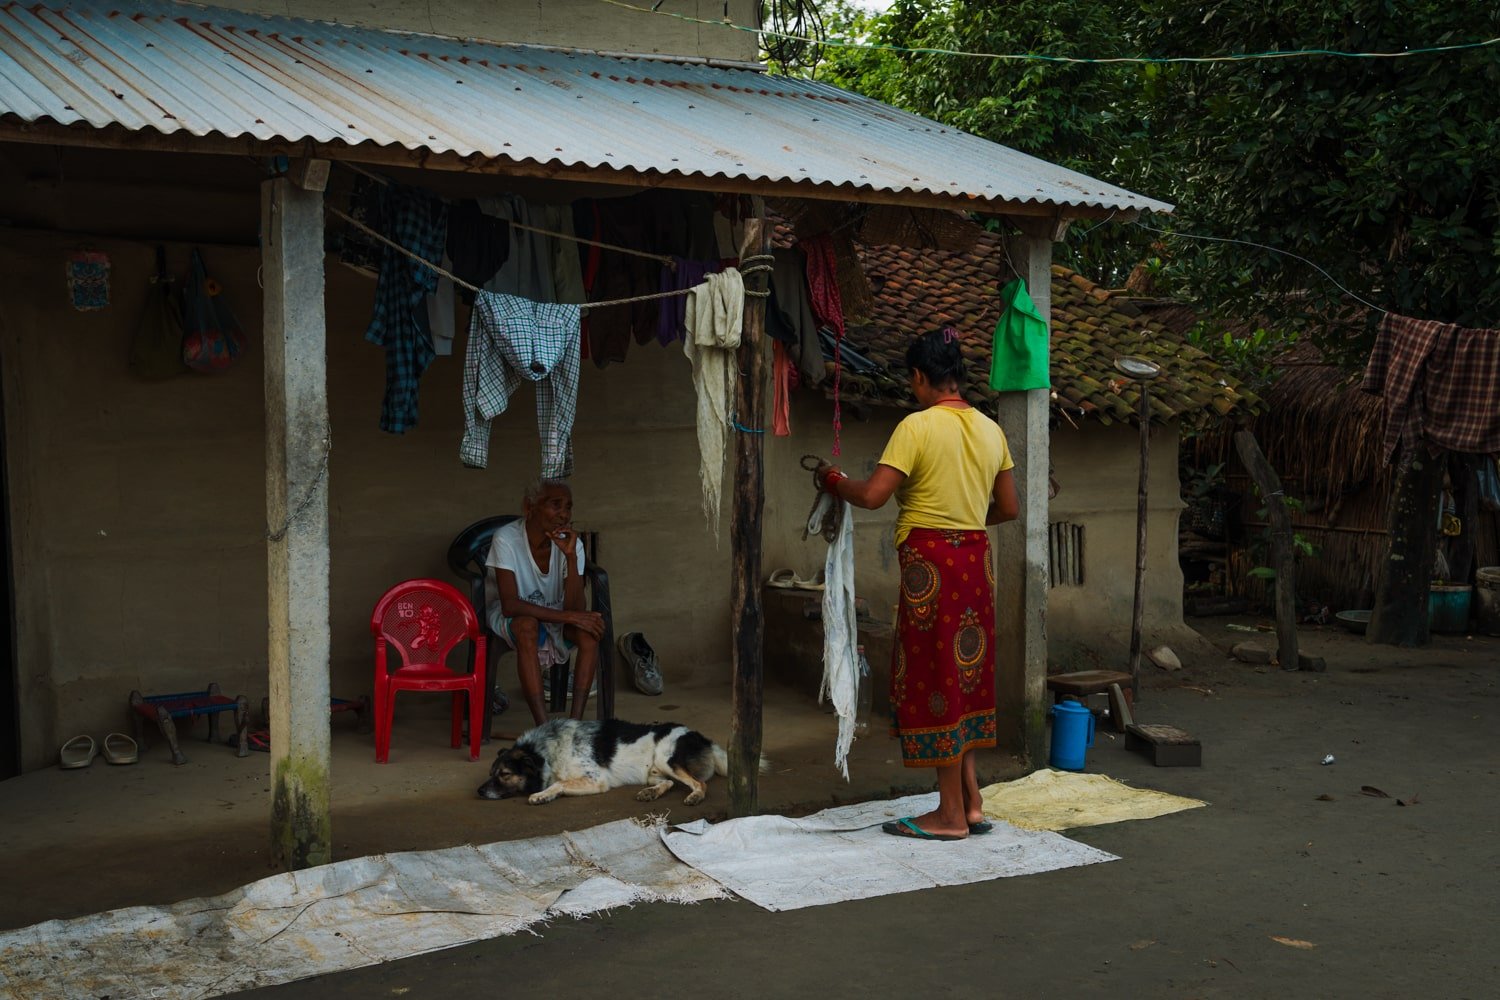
<point x="842" y="854"/>
<point x="378" y="909"/>
<point x="344" y="916"/>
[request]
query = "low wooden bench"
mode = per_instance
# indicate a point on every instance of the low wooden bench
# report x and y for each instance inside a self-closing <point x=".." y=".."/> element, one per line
<point x="164" y="709"/>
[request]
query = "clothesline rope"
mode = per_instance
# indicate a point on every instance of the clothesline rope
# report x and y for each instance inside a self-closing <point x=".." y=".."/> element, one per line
<point x="346" y="217"/>
<point x="662" y="258"/>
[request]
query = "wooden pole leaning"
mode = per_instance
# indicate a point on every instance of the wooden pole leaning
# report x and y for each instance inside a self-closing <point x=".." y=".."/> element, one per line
<point x="1283" y="557"/>
<point x="747" y="619"/>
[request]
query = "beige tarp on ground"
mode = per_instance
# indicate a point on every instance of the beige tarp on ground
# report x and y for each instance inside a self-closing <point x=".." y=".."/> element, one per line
<point x="1063" y="800"/>
<point x="344" y="916"/>
<point x="378" y="909"/>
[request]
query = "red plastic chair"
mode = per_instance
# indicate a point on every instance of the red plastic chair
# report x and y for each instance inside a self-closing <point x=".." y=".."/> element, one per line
<point x="424" y="620"/>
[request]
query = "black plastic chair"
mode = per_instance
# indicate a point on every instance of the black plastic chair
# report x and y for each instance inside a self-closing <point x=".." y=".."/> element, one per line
<point x="466" y="557"/>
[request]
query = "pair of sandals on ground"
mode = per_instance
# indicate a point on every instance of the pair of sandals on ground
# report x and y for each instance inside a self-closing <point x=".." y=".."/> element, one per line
<point x="80" y="751"/>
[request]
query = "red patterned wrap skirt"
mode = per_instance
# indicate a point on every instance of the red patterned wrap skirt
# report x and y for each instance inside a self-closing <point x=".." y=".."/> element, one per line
<point x="943" y="677"/>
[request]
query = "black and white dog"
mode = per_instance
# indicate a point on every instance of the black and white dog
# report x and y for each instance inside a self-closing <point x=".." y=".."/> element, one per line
<point x="570" y="757"/>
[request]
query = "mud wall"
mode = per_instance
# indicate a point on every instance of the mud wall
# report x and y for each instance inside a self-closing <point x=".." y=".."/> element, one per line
<point x="137" y="509"/>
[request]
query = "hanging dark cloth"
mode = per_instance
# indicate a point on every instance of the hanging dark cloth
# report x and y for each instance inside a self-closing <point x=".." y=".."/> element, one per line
<point x="623" y="222"/>
<point x="789" y="315"/>
<point x="419" y="222"/>
<point x="478" y="245"/>
<point x="671" y="321"/>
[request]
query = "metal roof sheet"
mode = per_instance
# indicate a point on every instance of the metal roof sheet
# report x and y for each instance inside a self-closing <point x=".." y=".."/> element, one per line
<point x="174" y="68"/>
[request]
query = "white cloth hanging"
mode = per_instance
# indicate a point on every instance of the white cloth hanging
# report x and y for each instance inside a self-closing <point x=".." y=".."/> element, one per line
<point x="714" y="321"/>
<point x="840" y="633"/>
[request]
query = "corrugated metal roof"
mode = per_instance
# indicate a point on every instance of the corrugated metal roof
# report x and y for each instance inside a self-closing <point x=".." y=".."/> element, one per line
<point x="177" y="68"/>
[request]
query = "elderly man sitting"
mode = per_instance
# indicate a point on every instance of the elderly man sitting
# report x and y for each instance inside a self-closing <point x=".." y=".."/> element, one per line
<point x="534" y="598"/>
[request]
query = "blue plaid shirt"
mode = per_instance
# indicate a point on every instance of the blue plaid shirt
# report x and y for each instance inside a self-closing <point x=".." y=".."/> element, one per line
<point x="419" y="222"/>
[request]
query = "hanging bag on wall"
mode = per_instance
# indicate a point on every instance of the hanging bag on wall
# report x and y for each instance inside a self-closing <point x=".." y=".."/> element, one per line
<point x="211" y="337"/>
<point x="156" y="348"/>
<point x="1019" y="358"/>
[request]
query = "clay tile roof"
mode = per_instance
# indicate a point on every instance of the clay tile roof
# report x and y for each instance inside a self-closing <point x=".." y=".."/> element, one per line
<point x="921" y="290"/>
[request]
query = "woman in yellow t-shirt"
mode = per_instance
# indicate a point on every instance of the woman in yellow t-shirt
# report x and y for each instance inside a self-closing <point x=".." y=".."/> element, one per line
<point x="949" y="468"/>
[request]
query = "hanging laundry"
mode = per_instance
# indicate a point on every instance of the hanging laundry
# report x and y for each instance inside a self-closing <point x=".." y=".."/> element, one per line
<point x="441" y="320"/>
<point x="789" y="314"/>
<point x="356" y="248"/>
<point x="419" y="222"/>
<point x="528" y="271"/>
<point x="1020" y="354"/>
<point x="1440" y="383"/>
<point x="715" y="320"/>
<point x="478" y="244"/>
<point x="782" y="374"/>
<point x="823" y="282"/>
<point x="624" y="222"/>
<point x="840" y="630"/>
<point x="827" y="306"/>
<point x="567" y="269"/>
<point x="586" y="222"/>
<point x="671" y="324"/>
<point x="512" y="339"/>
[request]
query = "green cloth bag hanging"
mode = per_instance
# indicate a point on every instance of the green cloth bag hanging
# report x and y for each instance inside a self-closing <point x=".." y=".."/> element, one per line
<point x="1019" y="356"/>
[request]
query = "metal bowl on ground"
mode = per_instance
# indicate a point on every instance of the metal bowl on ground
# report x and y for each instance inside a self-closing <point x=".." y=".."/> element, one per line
<point x="1354" y="621"/>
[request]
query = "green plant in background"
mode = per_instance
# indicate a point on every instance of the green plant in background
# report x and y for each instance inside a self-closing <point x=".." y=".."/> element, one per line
<point x="1251" y="358"/>
<point x="1301" y="547"/>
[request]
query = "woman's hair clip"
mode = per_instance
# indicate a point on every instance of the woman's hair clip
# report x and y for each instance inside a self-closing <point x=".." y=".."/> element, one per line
<point x="950" y="334"/>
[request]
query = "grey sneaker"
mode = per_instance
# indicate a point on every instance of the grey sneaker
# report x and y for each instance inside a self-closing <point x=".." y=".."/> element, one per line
<point x="641" y="658"/>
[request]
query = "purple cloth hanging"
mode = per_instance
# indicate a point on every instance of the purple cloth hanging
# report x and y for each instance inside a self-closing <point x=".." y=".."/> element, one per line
<point x="671" y="323"/>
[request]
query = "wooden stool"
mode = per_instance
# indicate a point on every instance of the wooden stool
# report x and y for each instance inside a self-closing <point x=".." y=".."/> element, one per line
<point x="1083" y="683"/>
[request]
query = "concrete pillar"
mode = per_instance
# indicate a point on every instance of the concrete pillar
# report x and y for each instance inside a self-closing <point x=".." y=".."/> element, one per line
<point x="1021" y="577"/>
<point x="297" y="443"/>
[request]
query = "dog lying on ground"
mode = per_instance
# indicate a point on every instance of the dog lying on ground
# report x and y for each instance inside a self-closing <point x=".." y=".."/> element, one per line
<point x="571" y="757"/>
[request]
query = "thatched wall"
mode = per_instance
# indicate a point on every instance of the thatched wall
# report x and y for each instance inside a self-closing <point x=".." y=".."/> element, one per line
<point x="1322" y="436"/>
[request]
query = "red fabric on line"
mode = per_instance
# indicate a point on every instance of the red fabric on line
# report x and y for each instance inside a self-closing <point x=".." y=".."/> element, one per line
<point x="781" y="403"/>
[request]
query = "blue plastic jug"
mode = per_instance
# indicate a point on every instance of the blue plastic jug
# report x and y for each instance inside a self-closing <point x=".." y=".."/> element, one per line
<point x="1072" y="735"/>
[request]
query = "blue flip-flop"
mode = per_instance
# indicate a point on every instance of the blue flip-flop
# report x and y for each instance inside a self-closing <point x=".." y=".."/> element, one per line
<point x="904" y="827"/>
<point x="982" y="827"/>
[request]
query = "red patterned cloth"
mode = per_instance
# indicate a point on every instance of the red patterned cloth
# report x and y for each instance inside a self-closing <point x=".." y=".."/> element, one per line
<point x="1441" y="385"/>
<point x="943" y="674"/>
<point x="828" y="309"/>
<point x="823" y="283"/>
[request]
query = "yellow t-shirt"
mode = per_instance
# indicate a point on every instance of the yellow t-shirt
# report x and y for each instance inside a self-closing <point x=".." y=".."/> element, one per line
<point x="951" y="458"/>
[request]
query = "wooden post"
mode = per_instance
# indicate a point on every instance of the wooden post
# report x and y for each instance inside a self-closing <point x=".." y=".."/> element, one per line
<point x="747" y="619"/>
<point x="1283" y="557"/>
<point x="297" y="443"/>
<point x="1138" y="612"/>
<point x="1399" y="617"/>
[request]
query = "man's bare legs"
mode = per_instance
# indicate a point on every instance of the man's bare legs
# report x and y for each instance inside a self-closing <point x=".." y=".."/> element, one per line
<point x="529" y="665"/>
<point x="584" y="666"/>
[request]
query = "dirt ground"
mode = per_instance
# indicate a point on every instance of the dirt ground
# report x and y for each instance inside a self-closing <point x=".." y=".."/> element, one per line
<point x="1393" y="895"/>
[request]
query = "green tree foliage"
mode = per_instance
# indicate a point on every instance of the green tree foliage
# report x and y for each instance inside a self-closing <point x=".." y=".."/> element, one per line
<point x="1086" y="118"/>
<point x="1385" y="172"/>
